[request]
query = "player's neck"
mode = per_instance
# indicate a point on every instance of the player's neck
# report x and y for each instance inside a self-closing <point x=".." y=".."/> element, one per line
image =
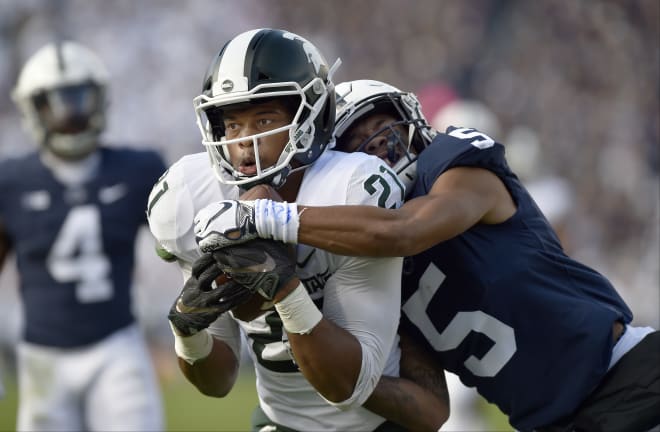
<point x="72" y="172"/>
<point x="289" y="191"/>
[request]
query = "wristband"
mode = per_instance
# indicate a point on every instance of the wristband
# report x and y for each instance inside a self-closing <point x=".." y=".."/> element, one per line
<point x="192" y="348"/>
<point x="276" y="220"/>
<point x="298" y="312"/>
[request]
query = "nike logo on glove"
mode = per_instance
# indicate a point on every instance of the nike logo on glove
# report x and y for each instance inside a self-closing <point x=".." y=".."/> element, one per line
<point x="198" y="229"/>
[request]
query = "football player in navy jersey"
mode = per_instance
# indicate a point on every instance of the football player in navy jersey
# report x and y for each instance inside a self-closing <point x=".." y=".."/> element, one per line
<point x="71" y="212"/>
<point x="487" y="289"/>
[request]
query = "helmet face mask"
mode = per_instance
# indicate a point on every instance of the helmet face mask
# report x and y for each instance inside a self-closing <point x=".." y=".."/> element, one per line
<point x="397" y="142"/>
<point x="255" y="67"/>
<point x="61" y="94"/>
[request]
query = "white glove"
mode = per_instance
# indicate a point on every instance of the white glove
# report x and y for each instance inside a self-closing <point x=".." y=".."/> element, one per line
<point x="230" y="222"/>
<point x="225" y="223"/>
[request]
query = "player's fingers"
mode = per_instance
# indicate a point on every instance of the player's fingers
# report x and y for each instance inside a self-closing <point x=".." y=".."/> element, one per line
<point x="202" y="264"/>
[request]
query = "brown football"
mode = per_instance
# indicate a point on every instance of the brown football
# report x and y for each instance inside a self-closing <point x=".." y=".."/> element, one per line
<point x="257" y="304"/>
<point x="261" y="191"/>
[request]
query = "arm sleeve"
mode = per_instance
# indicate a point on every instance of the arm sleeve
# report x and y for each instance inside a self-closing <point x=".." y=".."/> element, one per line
<point x="170" y="214"/>
<point x="363" y="297"/>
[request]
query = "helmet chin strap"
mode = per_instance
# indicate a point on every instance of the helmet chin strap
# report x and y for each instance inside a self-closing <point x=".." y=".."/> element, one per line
<point x="392" y="142"/>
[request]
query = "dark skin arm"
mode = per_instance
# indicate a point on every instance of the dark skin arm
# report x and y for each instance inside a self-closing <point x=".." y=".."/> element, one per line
<point x="419" y="399"/>
<point x="5" y="245"/>
<point x="215" y="374"/>
<point x="332" y="369"/>
<point x="459" y="199"/>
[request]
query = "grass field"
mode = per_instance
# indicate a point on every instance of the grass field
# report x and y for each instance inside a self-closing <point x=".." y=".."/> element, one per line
<point x="185" y="408"/>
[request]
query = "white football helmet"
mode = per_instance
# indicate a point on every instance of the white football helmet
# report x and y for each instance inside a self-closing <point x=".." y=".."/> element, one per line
<point x="358" y="98"/>
<point x="61" y="92"/>
<point x="267" y="63"/>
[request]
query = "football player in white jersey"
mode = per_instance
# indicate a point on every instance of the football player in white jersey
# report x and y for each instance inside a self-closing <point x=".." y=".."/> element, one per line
<point x="70" y="211"/>
<point x="328" y="333"/>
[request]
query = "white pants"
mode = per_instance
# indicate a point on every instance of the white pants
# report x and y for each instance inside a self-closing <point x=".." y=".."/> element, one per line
<point x="107" y="386"/>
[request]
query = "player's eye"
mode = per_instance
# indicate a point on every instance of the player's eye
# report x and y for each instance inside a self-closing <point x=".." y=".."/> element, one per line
<point x="264" y="122"/>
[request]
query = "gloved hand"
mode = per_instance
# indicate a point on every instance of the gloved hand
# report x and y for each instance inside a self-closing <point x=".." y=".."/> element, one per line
<point x="262" y="266"/>
<point x="225" y="223"/>
<point x="200" y="302"/>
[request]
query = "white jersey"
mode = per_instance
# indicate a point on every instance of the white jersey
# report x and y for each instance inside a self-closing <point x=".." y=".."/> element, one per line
<point x="361" y="295"/>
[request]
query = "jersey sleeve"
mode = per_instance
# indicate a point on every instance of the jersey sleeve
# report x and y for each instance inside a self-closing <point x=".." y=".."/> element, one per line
<point x="374" y="183"/>
<point x="363" y="297"/>
<point x="170" y="213"/>
<point x="459" y="147"/>
<point x="352" y="179"/>
<point x="363" y="294"/>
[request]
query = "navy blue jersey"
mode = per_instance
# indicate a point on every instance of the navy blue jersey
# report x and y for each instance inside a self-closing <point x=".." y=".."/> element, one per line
<point x="502" y="306"/>
<point x="75" y="246"/>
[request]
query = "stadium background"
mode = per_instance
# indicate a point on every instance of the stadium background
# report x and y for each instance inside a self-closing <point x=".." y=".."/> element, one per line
<point x="570" y="87"/>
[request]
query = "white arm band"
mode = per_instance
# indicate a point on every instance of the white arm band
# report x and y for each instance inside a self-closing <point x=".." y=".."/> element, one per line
<point x="192" y="348"/>
<point x="276" y="220"/>
<point x="298" y="312"/>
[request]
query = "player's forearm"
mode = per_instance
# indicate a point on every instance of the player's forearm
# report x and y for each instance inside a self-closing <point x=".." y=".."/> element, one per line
<point x="4" y="246"/>
<point x="330" y="358"/>
<point x="408" y="404"/>
<point x="418" y="366"/>
<point x="214" y="375"/>
<point x="353" y="230"/>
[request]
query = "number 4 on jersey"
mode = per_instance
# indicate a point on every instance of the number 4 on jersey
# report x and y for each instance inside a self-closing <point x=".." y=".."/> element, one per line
<point x="77" y="256"/>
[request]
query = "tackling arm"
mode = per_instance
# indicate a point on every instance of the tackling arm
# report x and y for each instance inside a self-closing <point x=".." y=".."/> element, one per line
<point x="460" y="198"/>
<point x="417" y="401"/>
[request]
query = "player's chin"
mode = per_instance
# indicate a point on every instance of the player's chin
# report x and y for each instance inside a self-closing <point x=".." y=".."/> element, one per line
<point x="252" y="309"/>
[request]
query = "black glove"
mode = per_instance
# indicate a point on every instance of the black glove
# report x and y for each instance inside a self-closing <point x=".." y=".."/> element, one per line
<point x="262" y="266"/>
<point x="200" y="303"/>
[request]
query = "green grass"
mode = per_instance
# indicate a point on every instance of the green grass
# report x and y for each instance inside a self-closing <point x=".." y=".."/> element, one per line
<point x="188" y="410"/>
<point x="185" y="408"/>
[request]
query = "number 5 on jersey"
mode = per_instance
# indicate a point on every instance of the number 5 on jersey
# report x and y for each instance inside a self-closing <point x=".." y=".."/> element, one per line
<point x="463" y="323"/>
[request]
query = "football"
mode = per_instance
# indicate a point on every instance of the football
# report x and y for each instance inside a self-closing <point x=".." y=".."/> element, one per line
<point x="256" y="305"/>
<point x="261" y="191"/>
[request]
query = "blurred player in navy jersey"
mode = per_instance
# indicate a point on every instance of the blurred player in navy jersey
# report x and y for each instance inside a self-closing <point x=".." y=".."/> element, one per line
<point x="71" y="212"/>
<point x="488" y="289"/>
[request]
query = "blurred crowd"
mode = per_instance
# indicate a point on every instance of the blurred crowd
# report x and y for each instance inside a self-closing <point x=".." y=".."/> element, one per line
<point x="570" y="87"/>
